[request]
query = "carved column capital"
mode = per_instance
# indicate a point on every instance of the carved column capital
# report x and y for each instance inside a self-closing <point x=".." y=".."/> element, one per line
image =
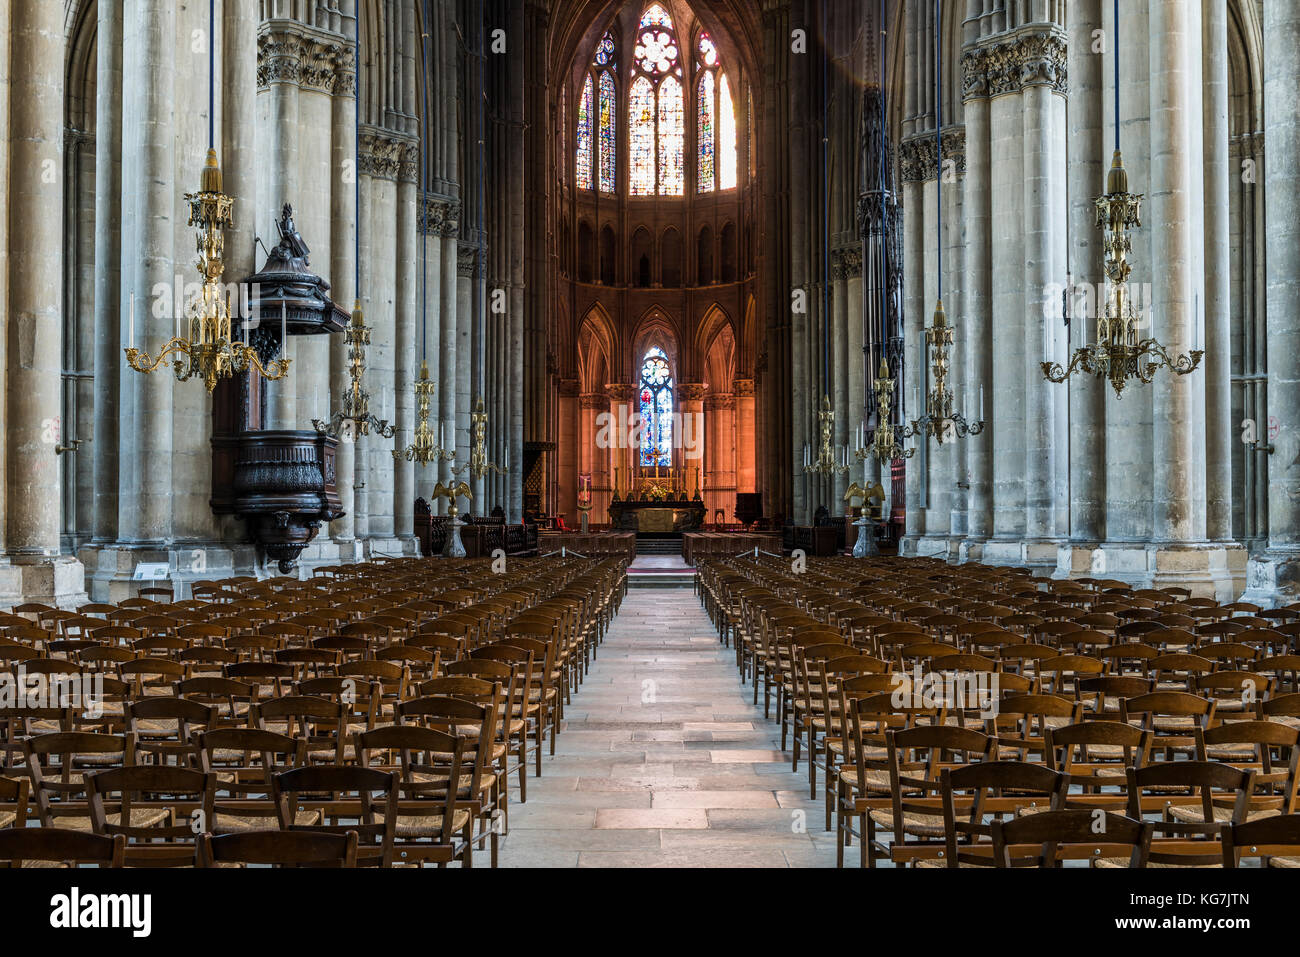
<point x="620" y="392"/>
<point x="918" y="159"/>
<point x="846" y="262"/>
<point x="292" y="52"/>
<point x="440" y="216"/>
<point x="1035" y="56"/>
<point x="379" y="154"/>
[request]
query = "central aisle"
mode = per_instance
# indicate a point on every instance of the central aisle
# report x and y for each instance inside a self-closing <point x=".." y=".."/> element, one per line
<point x="665" y="762"/>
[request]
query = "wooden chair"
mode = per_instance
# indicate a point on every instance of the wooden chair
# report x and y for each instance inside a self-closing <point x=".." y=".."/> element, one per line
<point x="278" y="849"/>
<point x="1076" y="833"/>
<point x="156" y="835"/>
<point x="366" y="797"/>
<point x="1209" y="781"/>
<point x="59" y="847"/>
<point x="246" y="761"/>
<point x="916" y="757"/>
<point x="166" y="728"/>
<point x="59" y="788"/>
<point x="440" y="782"/>
<point x="1275" y="841"/>
<point x="989" y="786"/>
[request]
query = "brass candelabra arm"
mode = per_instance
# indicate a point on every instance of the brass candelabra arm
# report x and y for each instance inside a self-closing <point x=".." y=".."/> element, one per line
<point x="72" y="446"/>
<point x="275" y="369"/>
<point x="337" y="426"/>
<point x="140" y="361"/>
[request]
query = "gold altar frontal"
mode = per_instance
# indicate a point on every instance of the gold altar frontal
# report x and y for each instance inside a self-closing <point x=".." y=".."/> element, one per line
<point x="659" y="519"/>
<point x="657" y="516"/>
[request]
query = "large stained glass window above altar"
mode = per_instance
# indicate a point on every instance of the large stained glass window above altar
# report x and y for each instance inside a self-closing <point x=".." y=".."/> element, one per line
<point x="656" y="410"/>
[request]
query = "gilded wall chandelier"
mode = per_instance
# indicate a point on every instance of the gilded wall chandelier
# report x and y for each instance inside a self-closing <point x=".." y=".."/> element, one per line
<point x="355" y="418"/>
<point x="939" y="421"/>
<point x="829" y="459"/>
<point x="1119" y="354"/>
<point x="478" y="464"/>
<point x="208" y="350"/>
<point x="883" y="446"/>
<point x="424" y="448"/>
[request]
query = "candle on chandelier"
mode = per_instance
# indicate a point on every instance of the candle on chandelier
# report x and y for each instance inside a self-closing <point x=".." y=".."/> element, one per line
<point x="981" y="403"/>
<point x="284" y="330"/>
<point x="130" y="328"/>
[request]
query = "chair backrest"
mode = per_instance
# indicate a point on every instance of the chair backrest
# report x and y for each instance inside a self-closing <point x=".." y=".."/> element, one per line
<point x="318" y="722"/>
<point x="1211" y="782"/>
<point x="55" y="845"/>
<point x="64" y="781"/>
<point x="1263" y="838"/>
<point x="1032" y="785"/>
<point x="137" y="789"/>
<point x="279" y="849"/>
<point x="366" y="795"/>
<point x="438" y="771"/>
<point x="1078" y="833"/>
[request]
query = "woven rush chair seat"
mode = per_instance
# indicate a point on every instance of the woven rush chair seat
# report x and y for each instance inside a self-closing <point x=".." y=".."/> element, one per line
<point x="226" y="823"/>
<point x="876" y="779"/>
<point x="1222" y="814"/>
<point x="1111" y="863"/>
<point x="140" y="817"/>
<point x="921" y="825"/>
<point x="415" y="826"/>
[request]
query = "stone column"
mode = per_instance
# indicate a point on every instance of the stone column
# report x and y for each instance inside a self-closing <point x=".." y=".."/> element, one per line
<point x="746" y="470"/>
<point x="35" y="324"/>
<point x="1220" y="436"/>
<point x="466" y="267"/>
<point x="448" y="335"/>
<point x="110" y="321"/>
<point x="429" y="333"/>
<point x="621" y="455"/>
<point x="908" y="389"/>
<point x="1170" y="210"/>
<point x="402" y="403"/>
<point x="281" y="59"/>
<point x="844" y="359"/>
<point x="149" y="213"/>
<point x="1007" y="386"/>
<point x="343" y="224"/>
<point x="977" y="295"/>
<point x="720" y="411"/>
<point x="594" y="460"/>
<point x="1087" y="398"/>
<point x="1042" y="182"/>
<point x="1274" y="576"/>
<point x="369" y="168"/>
<point x="691" y="405"/>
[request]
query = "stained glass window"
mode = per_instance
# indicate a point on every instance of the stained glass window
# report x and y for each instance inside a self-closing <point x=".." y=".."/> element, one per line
<point x="708" y="52"/>
<point x="605" y="52"/>
<point x="608" y="130"/>
<point x="705" y="113"/>
<point x="726" y="137"/>
<point x="656" y="16"/>
<point x="672" y="137"/>
<point x="716" y="117"/>
<point x="641" y="119"/>
<point x="584" y="136"/>
<point x="656" y="410"/>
